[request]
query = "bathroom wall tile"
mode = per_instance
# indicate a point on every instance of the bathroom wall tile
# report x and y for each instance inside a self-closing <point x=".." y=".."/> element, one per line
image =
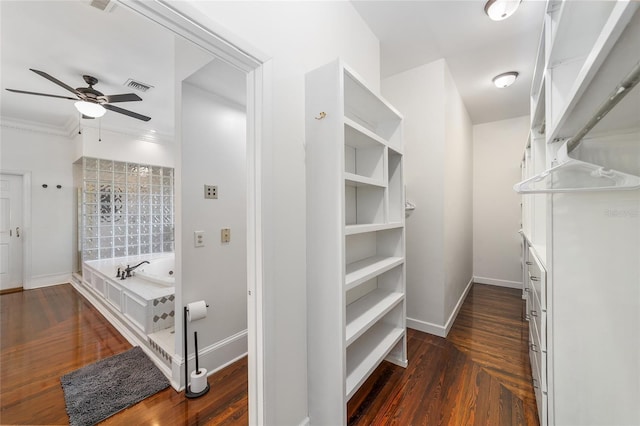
<point x="106" y="253"/>
<point x="106" y="165"/>
<point x="90" y="255"/>
<point x="90" y="186"/>
<point x="90" y="163"/>
<point x="106" y="242"/>
<point x="91" y="209"/>
<point x="125" y="199"/>
<point x="90" y="243"/>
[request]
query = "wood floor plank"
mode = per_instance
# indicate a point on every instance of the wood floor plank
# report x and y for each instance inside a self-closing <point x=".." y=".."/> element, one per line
<point x="478" y="375"/>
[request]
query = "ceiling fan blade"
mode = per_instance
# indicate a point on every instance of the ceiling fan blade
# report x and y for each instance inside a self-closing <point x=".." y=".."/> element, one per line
<point x="125" y="97"/>
<point x="41" y="94"/>
<point x="58" y="82"/>
<point x="126" y="112"/>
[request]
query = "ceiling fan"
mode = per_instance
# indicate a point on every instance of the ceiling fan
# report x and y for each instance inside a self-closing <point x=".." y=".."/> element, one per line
<point x="90" y="102"/>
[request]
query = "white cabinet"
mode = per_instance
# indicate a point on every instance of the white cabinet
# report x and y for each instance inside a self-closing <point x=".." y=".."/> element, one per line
<point x="355" y="238"/>
<point x="580" y="218"/>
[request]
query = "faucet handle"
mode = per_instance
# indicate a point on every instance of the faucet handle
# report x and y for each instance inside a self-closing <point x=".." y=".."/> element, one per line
<point x="118" y="274"/>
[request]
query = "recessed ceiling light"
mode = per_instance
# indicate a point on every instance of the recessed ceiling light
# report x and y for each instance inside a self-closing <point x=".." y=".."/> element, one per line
<point x="498" y="10"/>
<point x="505" y="79"/>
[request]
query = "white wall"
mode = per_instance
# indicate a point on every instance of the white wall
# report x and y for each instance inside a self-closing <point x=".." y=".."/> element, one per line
<point x="419" y="98"/>
<point x="298" y="36"/>
<point x="48" y="158"/>
<point x="214" y="153"/>
<point x="438" y="164"/>
<point x="496" y="206"/>
<point x="458" y="200"/>
<point x="123" y="147"/>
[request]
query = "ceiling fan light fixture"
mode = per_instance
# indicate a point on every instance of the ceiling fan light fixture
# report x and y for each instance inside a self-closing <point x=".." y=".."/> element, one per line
<point x="90" y="109"/>
<point x="505" y="79"/>
<point x="498" y="10"/>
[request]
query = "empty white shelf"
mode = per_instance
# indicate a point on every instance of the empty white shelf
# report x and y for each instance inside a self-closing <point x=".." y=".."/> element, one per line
<point x="355" y="137"/>
<point x="366" y="311"/>
<point x="357" y="180"/>
<point x="361" y="229"/>
<point x="364" y="356"/>
<point x="365" y="269"/>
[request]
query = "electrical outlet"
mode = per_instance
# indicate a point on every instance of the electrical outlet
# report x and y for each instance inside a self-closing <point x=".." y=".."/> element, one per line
<point x="198" y="238"/>
<point x="225" y="235"/>
<point x="211" y="192"/>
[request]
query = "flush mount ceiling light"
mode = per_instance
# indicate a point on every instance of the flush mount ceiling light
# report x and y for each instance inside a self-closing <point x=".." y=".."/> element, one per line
<point x="505" y="79"/>
<point x="90" y="109"/>
<point x="498" y="10"/>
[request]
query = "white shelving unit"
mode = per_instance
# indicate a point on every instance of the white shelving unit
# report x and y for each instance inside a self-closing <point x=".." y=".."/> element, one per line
<point x="356" y="238"/>
<point x="580" y="222"/>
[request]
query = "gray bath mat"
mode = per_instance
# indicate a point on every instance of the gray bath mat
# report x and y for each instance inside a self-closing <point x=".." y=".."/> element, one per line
<point x="100" y="390"/>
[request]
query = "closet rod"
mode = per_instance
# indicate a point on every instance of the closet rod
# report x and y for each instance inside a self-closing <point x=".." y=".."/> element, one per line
<point x="621" y="90"/>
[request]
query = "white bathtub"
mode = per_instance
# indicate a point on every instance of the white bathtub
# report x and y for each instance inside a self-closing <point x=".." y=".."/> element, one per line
<point x="159" y="271"/>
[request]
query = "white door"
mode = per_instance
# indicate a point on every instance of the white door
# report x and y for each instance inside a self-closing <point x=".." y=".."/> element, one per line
<point x="10" y="231"/>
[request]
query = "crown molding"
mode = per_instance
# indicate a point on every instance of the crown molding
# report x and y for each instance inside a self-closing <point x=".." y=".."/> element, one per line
<point x="32" y="126"/>
<point x="70" y="129"/>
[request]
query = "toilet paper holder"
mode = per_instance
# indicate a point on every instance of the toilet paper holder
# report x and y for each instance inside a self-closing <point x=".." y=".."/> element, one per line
<point x="187" y="388"/>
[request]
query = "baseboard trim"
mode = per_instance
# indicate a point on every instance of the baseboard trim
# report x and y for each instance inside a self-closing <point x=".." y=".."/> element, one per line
<point x="305" y="422"/>
<point x="48" y="280"/>
<point x="216" y="356"/>
<point x="454" y="313"/>
<point x="498" y="283"/>
<point x="437" y="329"/>
<point x="11" y="290"/>
<point x="427" y="327"/>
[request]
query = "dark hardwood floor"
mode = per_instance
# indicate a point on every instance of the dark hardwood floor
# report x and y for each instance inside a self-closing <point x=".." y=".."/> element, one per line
<point x="478" y="375"/>
<point x="46" y="333"/>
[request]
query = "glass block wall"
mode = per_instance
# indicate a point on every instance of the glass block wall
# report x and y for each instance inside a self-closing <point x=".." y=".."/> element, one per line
<point x="127" y="209"/>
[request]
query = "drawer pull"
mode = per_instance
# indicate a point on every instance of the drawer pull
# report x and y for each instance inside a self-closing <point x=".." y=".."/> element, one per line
<point x="534" y="347"/>
<point x="535" y="383"/>
<point x="526" y="289"/>
<point x="527" y="317"/>
<point x="534" y="313"/>
<point x="534" y="278"/>
<point x="529" y="263"/>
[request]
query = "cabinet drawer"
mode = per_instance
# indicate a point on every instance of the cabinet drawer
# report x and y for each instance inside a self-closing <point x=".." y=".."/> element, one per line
<point x="537" y="277"/>
<point x="538" y="354"/>
<point x="541" y="395"/>
<point x="537" y="320"/>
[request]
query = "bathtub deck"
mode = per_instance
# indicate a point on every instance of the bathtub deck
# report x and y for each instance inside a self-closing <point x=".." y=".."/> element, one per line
<point x="147" y="290"/>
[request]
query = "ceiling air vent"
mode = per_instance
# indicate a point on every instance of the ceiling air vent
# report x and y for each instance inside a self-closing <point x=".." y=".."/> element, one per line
<point x="105" y="5"/>
<point x="136" y="85"/>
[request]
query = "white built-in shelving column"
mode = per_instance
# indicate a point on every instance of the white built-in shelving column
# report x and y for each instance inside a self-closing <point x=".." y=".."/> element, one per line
<point x="355" y="238"/>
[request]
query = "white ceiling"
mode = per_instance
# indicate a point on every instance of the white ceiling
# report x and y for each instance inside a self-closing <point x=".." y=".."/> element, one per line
<point x="67" y="39"/>
<point x="414" y="33"/>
